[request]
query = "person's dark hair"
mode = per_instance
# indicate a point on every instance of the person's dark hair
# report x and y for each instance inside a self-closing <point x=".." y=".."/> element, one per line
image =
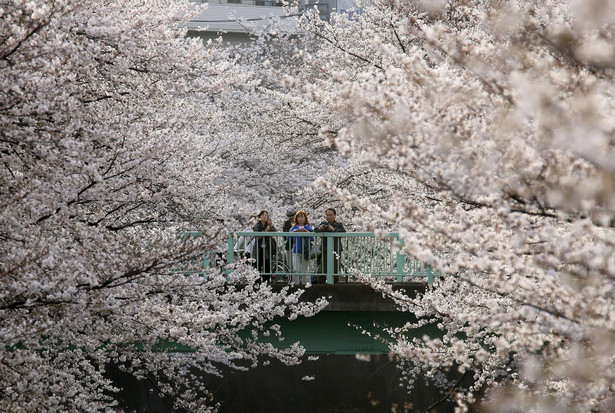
<point x="260" y="214"/>
<point x="332" y="210"/>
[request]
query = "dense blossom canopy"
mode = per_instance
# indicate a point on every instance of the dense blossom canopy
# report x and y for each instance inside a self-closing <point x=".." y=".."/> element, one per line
<point x="502" y="114"/>
<point x="482" y="131"/>
<point x="108" y="150"/>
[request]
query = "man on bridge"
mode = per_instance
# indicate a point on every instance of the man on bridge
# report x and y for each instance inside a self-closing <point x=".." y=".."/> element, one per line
<point x="330" y="225"/>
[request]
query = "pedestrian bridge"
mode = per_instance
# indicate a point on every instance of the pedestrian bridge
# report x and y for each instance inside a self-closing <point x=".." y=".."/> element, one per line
<point x="327" y="257"/>
<point x="332" y="258"/>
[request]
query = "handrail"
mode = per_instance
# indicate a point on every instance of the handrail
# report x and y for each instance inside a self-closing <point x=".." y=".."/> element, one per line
<point x="328" y="234"/>
<point x="349" y="252"/>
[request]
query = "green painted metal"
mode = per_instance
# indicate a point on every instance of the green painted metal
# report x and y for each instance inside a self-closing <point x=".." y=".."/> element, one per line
<point x="401" y="259"/>
<point x="230" y="252"/>
<point x="361" y="253"/>
<point x="330" y="263"/>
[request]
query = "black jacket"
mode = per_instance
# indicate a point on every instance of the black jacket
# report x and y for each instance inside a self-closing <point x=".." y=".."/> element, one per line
<point x="268" y="242"/>
<point x="337" y="227"/>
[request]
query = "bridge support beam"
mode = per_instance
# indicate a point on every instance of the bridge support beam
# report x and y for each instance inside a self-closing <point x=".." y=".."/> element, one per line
<point x="356" y="296"/>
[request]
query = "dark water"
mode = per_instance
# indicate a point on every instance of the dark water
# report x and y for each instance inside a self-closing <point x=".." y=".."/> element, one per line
<point x="342" y="384"/>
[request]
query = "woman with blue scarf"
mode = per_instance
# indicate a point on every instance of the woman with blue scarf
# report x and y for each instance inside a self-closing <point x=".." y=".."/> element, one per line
<point x="301" y="248"/>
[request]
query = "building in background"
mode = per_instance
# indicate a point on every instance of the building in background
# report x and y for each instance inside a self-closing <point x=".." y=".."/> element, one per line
<point x="234" y="19"/>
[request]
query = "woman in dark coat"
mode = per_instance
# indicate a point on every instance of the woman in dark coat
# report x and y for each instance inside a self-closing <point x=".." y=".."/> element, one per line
<point x="265" y="246"/>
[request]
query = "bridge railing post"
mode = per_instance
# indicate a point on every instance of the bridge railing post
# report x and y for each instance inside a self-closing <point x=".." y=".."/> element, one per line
<point x="230" y="254"/>
<point x="330" y="258"/>
<point x="401" y="259"/>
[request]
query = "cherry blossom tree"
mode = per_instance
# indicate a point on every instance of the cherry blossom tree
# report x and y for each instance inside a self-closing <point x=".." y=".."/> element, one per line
<point x="109" y="125"/>
<point x="275" y="150"/>
<point x="501" y="114"/>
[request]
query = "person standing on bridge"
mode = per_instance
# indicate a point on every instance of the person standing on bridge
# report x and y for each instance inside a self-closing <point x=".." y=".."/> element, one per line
<point x="265" y="246"/>
<point x="301" y="248"/>
<point x="330" y="225"/>
<point x="288" y="248"/>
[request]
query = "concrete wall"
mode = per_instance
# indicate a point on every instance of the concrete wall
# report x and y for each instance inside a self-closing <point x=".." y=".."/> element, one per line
<point x="356" y="296"/>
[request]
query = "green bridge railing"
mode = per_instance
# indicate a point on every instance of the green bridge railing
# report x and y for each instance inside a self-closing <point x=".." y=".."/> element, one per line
<point x="328" y="256"/>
